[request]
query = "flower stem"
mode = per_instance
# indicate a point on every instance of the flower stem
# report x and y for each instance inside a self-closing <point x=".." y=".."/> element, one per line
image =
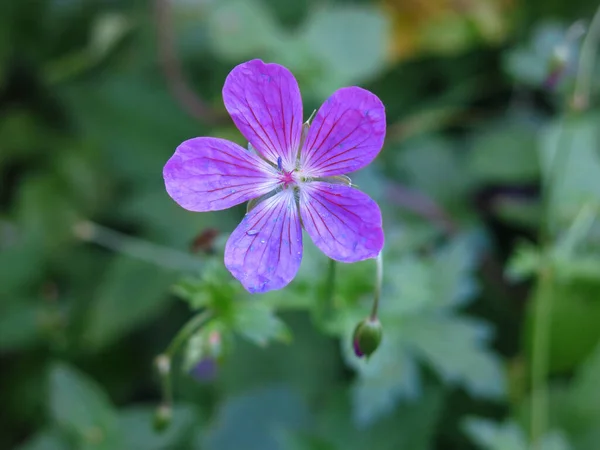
<point x="377" y="291"/>
<point x="164" y="361"/>
<point x="193" y="325"/>
<point x="544" y="296"/>
<point x="540" y="357"/>
<point x="135" y="247"/>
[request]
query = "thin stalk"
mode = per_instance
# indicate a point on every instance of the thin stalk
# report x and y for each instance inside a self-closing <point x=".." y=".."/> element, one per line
<point x="193" y="325"/>
<point x="378" y="284"/>
<point x="544" y="296"/>
<point x="136" y="248"/>
<point x="540" y="360"/>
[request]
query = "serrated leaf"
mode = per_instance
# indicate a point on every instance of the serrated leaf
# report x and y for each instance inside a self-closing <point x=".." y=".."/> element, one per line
<point x="455" y="347"/>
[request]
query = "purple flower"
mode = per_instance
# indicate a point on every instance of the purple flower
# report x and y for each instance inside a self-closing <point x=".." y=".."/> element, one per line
<point x="293" y="170"/>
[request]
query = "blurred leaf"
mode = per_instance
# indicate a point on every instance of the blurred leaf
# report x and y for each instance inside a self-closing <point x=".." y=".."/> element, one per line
<point x="574" y="326"/>
<point x="350" y="42"/>
<point x="135" y="423"/>
<point x="43" y="213"/>
<point x="420" y="324"/>
<point x="413" y="425"/>
<point x="569" y="158"/>
<point x="434" y="167"/>
<point x="524" y="262"/>
<point x="292" y="364"/>
<point x="505" y="153"/>
<point x="508" y="436"/>
<point x="80" y="407"/>
<point x="45" y="440"/>
<point x="241" y="29"/>
<point x="530" y="63"/>
<point x="130" y="294"/>
<point x="19" y="325"/>
<point x="254" y="420"/>
<point x="455" y="348"/>
<point x="259" y="324"/>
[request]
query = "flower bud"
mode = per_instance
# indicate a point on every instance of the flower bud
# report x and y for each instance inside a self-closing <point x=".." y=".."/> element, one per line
<point x="367" y="336"/>
<point x="162" y="417"/>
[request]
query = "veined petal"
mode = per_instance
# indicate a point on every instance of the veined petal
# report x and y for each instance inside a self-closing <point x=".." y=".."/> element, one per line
<point x="265" y="104"/>
<point x="342" y="221"/>
<point x="208" y="174"/>
<point x="265" y="250"/>
<point x="346" y="135"/>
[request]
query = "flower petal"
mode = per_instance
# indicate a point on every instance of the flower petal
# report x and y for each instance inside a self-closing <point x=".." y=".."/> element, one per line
<point x="265" y="104"/>
<point x="346" y="135"/>
<point x="343" y="222"/>
<point x="208" y="174"/>
<point x="265" y="250"/>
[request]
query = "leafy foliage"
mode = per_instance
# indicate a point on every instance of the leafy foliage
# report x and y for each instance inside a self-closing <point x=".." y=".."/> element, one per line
<point x="488" y="182"/>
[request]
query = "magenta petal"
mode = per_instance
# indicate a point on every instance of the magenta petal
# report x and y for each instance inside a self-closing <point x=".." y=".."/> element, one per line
<point x="265" y="104"/>
<point x="342" y="221"/>
<point x="265" y="250"/>
<point x="346" y="135"/>
<point x="208" y="174"/>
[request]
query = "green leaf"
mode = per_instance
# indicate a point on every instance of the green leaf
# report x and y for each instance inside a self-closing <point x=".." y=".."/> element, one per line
<point x="80" y="407"/>
<point x="130" y="294"/>
<point x="253" y="421"/>
<point x="259" y="324"/>
<point x="135" y="424"/>
<point x="239" y="29"/>
<point x="508" y="436"/>
<point x="420" y="324"/>
<point x="530" y="64"/>
<point x="350" y="41"/>
<point x="412" y="426"/>
<point x="46" y="440"/>
<point x="454" y="346"/>
<point x="524" y="262"/>
<point x="505" y="153"/>
<point x="19" y="325"/>
<point x="575" y="315"/>
<point x="569" y="159"/>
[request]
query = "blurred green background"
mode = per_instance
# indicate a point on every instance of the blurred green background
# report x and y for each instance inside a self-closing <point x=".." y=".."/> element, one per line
<point x="489" y="183"/>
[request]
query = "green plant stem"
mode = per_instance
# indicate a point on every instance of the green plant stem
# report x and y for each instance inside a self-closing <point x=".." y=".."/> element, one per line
<point x="193" y="325"/>
<point x="378" y="283"/>
<point x="136" y="248"/>
<point x="545" y="291"/>
<point x="164" y="361"/>
<point x="540" y="357"/>
<point x="328" y="292"/>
